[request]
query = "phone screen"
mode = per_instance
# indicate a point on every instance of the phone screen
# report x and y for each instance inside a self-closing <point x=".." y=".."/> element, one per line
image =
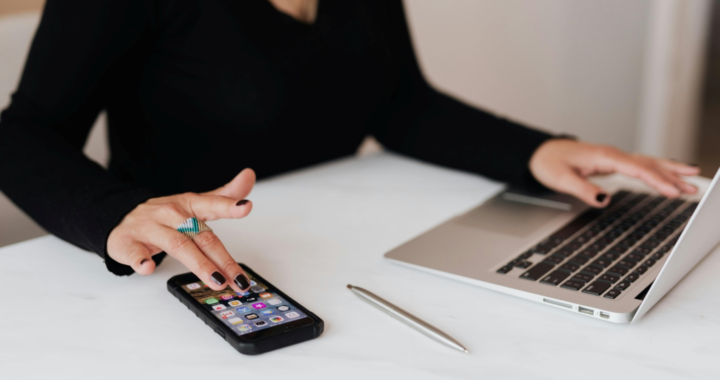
<point x="258" y="309"/>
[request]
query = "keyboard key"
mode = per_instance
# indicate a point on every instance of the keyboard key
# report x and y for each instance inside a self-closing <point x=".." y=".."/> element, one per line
<point x="524" y="264"/>
<point x="609" y="278"/>
<point x="627" y="263"/>
<point x="649" y="262"/>
<point x="641" y="270"/>
<point x="570" y="267"/>
<point x="641" y="251"/>
<point x="601" y="262"/>
<point x="555" y="277"/>
<point x="620" y="249"/>
<point x="505" y="269"/>
<point x="612" y="294"/>
<point x="573" y="285"/>
<point x="537" y="271"/>
<point x="658" y="255"/>
<point x="632" y="277"/>
<point x="619" y="271"/>
<point x="596" y="247"/>
<point x="584" y="277"/>
<point x="563" y="253"/>
<point x="526" y="255"/>
<point x="634" y="257"/>
<point x="588" y="253"/>
<point x="597" y="288"/>
<point x="611" y="255"/>
<point x="594" y="271"/>
<point x="579" y="260"/>
<point x="554" y="258"/>
<point x="622" y="285"/>
<point x="650" y="245"/>
<point x="577" y="224"/>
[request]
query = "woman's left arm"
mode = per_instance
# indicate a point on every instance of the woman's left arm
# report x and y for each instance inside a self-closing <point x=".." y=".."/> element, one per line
<point x="421" y="122"/>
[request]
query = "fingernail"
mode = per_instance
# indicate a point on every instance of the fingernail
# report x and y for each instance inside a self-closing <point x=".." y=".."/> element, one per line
<point x="694" y="165"/>
<point x="601" y="197"/>
<point x="143" y="262"/>
<point x="217" y="278"/>
<point x="242" y="202"/>
<point x="242" y="281"/>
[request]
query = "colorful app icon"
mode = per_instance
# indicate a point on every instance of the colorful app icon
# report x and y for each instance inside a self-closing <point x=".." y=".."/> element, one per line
<point x="259" y="305"/>
<point x="226" y="314"/>
<point x="193" y="286"/>
<point x="242" y="294"/>
<point x="243" y="309"/>
<point x="211" y="301"/>
<point x="235" y="320"/>
<point x="244" y="328"/>
<point x="250" y="299"/>
<point x="266" y="295"/>
<point x="219" y="307"/>
<point x="226" y="297"/>
<point x="292" y="315"/>
<point x="251" y="316"/>
<point x="257" y="289"/>
<point x="267" y="312"/>
<point x="234" y="303"/>
<point x="277" y="319"/>
<point x="261" y="323"/>
<point x="274" y="301"/>
<point x="252" y="283"/>
<point x="283" y="308"/>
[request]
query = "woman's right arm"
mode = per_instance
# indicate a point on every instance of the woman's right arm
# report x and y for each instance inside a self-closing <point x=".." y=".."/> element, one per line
<point x="42" y="133"/>
<point x="42" y="166"/>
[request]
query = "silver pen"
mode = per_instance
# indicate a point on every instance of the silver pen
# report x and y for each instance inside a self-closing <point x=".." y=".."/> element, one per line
<point x="407" y="318"/>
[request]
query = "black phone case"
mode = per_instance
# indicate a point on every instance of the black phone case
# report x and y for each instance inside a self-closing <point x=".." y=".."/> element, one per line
<point x="256" y="346"/>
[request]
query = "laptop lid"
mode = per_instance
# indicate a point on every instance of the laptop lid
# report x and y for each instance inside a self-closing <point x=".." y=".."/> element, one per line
<point x="700" y="236"/>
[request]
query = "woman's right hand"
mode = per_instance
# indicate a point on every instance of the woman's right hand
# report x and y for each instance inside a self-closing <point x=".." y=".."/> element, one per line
<point x="151" y="228"/>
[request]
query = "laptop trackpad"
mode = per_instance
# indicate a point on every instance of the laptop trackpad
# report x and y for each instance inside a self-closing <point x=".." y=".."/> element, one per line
<point x="509" y="217"/>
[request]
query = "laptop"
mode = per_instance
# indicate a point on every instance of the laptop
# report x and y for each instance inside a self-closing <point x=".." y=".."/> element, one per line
<point x="613" y="264"/>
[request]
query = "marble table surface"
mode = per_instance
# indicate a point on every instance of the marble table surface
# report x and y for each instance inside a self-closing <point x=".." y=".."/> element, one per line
<point x="62" y="316"/>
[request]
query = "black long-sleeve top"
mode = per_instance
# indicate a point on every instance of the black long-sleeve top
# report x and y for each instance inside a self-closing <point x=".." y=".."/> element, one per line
<point x="197" y="90"/>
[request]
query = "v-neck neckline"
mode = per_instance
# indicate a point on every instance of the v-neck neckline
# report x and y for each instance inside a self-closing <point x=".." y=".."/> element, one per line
<point x="293" y="20"/>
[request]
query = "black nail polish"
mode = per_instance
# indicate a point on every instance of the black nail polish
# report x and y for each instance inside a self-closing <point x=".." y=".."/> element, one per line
<point x="242" y="281"/>
<point x="143" y="262"/>
<point x="601" y="197"/>
<point x="242" y="202"/>
<point x="217" y="278"/>
<point x="694" y="165"/>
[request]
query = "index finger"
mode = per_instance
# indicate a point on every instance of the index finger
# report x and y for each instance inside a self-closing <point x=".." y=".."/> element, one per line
<point x="632" y="166"/>
<point x="213" y="248"/>
<point x="213" y="207"/>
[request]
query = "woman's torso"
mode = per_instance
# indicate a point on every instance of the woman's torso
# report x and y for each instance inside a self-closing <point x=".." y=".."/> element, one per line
<point x="219" y="85"/>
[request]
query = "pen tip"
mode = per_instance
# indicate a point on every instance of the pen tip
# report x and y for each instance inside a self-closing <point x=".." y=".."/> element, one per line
<point x="466" y="351"/>
<point x="349" y="286"/>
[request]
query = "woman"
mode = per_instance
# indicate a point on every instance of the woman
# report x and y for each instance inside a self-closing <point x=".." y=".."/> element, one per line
<point x="195" y="91"/>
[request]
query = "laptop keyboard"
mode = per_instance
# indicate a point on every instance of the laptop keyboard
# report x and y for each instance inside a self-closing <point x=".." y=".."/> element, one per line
<point x="602" y="251"/>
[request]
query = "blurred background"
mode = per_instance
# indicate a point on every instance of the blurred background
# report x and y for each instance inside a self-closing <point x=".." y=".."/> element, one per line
<point x="643" y="75"/>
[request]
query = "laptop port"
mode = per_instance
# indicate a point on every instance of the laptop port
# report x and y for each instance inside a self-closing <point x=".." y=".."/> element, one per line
<point x="557" y="303"/>
<point x="585" y="310"/>
<point x="604" y="315"/>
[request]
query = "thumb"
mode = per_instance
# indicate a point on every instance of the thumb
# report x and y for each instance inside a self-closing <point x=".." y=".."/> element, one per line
<point x="139" y="258"/>
<point x="239" y="187"/>
<point x="571" y="182"/>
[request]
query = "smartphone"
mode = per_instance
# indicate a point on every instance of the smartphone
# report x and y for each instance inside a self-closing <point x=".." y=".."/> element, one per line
<point x="260" y="320"/>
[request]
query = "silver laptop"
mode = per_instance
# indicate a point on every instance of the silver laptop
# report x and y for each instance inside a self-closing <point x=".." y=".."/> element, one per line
<point x="613" y="264"/>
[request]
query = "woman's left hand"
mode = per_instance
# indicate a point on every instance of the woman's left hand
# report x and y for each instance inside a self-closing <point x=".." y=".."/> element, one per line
<point x="564" y="165"/>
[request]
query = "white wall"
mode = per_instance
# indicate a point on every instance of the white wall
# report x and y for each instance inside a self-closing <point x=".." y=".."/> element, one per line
<point x="572" y="66"/>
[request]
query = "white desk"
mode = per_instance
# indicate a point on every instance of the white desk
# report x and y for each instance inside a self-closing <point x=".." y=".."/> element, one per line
<point x="63" y="316"/>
